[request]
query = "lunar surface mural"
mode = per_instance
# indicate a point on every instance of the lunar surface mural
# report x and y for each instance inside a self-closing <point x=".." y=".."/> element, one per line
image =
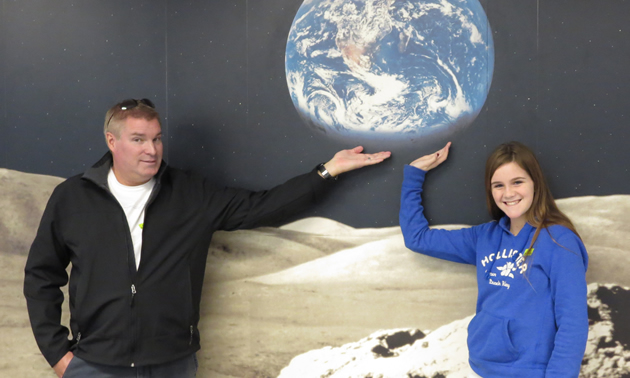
<point x="388" y="68"/>
<point x="318" y="298"/>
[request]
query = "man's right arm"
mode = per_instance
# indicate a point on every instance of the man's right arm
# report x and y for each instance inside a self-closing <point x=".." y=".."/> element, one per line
<point x="44" y="275"/>
<point x="246" y="209"/>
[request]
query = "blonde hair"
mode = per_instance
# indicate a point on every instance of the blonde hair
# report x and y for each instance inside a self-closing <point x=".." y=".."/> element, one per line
<point x="116" y="115"/>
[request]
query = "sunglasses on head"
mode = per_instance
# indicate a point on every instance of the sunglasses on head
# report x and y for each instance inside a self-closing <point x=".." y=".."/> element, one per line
<point x="132" y="103"/>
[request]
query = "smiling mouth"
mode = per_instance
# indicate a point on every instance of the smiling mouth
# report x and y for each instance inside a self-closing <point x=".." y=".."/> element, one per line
<point x="512" y="203"/>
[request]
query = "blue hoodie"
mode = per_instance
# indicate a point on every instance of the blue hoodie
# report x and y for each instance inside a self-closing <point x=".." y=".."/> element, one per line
<point x="531" y="318"/>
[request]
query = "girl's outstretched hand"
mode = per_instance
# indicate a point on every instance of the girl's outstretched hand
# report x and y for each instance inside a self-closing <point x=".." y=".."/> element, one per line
<point x="428" y="162"/>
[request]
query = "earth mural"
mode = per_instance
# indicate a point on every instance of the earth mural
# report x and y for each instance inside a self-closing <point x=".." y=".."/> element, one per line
<point x="389" y="69"/>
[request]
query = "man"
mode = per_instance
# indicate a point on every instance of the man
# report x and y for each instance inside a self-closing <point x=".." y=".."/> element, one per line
<point x="137" y="234"/>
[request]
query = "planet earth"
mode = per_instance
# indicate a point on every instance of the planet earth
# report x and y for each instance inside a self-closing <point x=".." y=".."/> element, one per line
<point x="396" y="69"/>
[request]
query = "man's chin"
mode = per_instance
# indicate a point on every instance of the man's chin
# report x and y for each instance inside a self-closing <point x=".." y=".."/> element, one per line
<point x="148" y="174"/>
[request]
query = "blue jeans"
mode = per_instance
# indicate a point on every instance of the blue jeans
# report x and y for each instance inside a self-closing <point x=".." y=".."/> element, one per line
<point x="184" y="368"/>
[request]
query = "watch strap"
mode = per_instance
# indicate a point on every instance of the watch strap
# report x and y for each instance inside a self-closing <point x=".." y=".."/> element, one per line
<point x="324" y="172"/>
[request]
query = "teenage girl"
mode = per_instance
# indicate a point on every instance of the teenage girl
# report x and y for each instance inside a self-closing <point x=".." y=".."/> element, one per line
<point x="531" y="318"/>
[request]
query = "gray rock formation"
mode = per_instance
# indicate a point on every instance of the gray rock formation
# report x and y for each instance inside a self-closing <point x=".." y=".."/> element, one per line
<point x="607" y="352"/>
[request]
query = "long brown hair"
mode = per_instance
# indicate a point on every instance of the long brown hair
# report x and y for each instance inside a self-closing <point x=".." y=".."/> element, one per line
<point x="543" y="212"/>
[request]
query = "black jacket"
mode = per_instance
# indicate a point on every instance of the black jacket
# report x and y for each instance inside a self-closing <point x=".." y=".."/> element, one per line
<point x="124" y="317"/>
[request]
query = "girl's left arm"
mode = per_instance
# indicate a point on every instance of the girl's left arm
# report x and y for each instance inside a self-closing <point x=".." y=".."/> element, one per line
<point x="567" y="273"/>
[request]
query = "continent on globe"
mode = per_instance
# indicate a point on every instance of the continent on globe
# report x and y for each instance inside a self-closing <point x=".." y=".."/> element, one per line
<point x="394" y="69"/>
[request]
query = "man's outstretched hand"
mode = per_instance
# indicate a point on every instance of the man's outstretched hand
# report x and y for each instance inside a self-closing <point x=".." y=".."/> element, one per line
<point x="348" y="160"/>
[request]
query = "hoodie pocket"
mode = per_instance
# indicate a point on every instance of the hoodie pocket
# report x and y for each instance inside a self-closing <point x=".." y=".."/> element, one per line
<point x="489" y="339"/>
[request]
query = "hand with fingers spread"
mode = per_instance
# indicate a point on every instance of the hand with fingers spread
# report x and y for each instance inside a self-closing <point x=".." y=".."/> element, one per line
<point x="428" y="162"/>
<point x="348" y="160"/>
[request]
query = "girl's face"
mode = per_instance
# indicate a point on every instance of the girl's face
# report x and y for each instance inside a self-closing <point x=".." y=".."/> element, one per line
<point x="513" y="192"/>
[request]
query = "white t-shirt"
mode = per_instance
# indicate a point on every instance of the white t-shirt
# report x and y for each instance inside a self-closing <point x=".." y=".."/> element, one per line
<point x="133" y="200"/>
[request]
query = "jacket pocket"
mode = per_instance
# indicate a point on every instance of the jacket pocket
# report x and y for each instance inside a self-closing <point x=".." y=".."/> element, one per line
<point x="68" y="373"/>
<point x="166" y="308"/>
<point x="489" y="339"/>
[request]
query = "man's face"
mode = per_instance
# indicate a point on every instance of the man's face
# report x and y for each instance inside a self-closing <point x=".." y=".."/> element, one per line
<point x="138" y="152"/>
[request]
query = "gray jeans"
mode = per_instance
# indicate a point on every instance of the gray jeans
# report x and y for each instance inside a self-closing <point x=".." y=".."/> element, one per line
<point x="184" y="368"/>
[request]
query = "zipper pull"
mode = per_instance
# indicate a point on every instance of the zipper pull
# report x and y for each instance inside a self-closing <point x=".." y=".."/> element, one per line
<point x="133" y="292"/>
<point x="191" y="335"/>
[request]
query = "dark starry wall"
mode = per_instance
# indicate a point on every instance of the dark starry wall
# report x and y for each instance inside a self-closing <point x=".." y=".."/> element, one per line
<point x="65" y="63"/>
<point x="216" y="72"/>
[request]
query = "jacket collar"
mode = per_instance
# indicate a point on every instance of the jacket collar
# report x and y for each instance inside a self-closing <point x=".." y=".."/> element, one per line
<point x="99" y="171"/>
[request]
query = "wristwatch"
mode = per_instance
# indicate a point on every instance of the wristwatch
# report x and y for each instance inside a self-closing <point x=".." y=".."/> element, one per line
<point x="324" y="172"/>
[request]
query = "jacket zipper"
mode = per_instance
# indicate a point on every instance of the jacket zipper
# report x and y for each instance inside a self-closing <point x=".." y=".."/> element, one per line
<point x="132" y="273"/>
<point x="133" y="293"/>
<point x="134" y="329"/>
<point x="130" y="259"/>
